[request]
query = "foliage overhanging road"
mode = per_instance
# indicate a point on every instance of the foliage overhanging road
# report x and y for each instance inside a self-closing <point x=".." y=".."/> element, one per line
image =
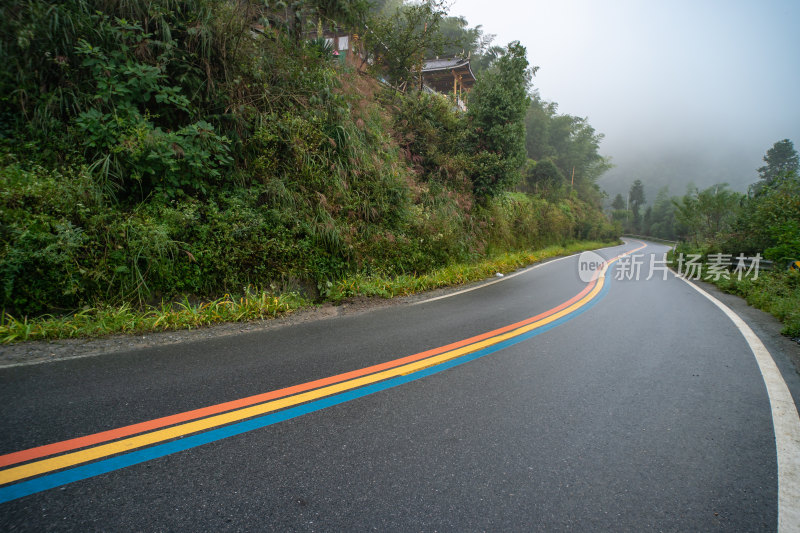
<point x="617" y="405"/>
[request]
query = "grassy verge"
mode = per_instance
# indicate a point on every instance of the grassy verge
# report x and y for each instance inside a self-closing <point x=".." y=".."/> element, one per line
<point x="776" y="292"/>
<point x="98" y="321"/>
<point x="108" y="320"/>
<point x="651" y="239"/>
<point x="457" y="274"/>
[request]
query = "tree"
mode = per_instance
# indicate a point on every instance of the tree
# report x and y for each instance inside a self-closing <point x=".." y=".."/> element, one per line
<point x="769" y="223"/>
<point x="663" y="216"/>
<point x="618" y="203"/>
<point x="647" y="220"/>
<point x="781" y="160"/>
<point x="543" y="177"/>
<point x="398" y="42"/>
<point x="777" y="215"/>
<point x="538" y="122"/>
<point x="496" y="114"/>
<point x="488" y="55"/>
<point x="708" y="213"/>
<point x="349" y="13"/>
<point x="636" y="195"/>
<point x="636" y="200"/>
<point x="458" y="38"/>
<point x="570" y="142"/>
<point x="298" y="14"/>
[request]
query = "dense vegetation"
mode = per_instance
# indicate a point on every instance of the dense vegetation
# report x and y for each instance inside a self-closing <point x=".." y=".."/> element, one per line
<point x="151" y="150"/>
<point x="766" y="220"/>
<point x="716" y="220"/>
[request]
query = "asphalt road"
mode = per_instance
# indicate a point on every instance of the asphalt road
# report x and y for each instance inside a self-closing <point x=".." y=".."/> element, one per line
<point x="644" y="410"/>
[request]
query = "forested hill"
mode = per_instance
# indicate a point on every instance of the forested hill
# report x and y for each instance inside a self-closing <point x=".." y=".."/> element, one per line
<point x="151" y="149"/>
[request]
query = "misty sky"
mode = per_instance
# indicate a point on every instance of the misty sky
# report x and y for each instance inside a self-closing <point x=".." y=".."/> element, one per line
<point x="684" y="90"/>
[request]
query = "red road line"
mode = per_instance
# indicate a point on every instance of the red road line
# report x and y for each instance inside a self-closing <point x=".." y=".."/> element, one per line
<point x="125" y="431"/>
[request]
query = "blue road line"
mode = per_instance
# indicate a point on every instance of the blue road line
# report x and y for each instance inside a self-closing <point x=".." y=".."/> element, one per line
<point x="49" y="481"/>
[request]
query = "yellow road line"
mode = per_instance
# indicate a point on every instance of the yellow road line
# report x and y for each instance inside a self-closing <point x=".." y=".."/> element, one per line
<point x="71" y="459"/>
<point x="125" y="445"/>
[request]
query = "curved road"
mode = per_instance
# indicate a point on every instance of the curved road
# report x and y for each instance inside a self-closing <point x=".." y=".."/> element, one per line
<point x="539" y="401"/>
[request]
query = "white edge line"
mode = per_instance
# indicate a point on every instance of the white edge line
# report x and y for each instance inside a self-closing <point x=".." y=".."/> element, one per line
<point x="482" y="285"/>
<point x="515" y="274"/>
<point x="97" y="354"/>
<point x="785" y="420"/>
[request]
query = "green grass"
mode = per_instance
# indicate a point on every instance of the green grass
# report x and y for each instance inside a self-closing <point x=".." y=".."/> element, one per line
<point x="776" y="292"/>
<point x="99" y="321"/>
<point x="451" y="275"/>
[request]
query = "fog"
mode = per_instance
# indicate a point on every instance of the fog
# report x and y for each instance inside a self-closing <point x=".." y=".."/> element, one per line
<point x="685" y="91"/>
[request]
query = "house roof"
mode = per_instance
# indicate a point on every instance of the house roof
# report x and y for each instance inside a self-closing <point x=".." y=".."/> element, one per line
<point x="445" y="63"/>
<point x="438" y="73"/>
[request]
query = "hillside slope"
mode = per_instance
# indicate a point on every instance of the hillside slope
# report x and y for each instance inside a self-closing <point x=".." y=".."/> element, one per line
<point x="151" y="150"/>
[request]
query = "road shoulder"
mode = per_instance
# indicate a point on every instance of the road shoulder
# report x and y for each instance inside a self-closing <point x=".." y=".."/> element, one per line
<point x="38" y="352"/>
<point x="785" y="351"/>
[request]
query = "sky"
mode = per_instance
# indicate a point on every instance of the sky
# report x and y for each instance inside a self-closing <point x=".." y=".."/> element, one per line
<point x="685" y="91"/>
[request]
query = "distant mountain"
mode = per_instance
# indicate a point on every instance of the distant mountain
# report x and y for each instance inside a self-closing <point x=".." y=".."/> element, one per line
<point x="678" y="168"/>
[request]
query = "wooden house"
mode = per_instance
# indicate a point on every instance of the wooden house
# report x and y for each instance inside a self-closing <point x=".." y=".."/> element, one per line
<point x="450" y="76"/>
